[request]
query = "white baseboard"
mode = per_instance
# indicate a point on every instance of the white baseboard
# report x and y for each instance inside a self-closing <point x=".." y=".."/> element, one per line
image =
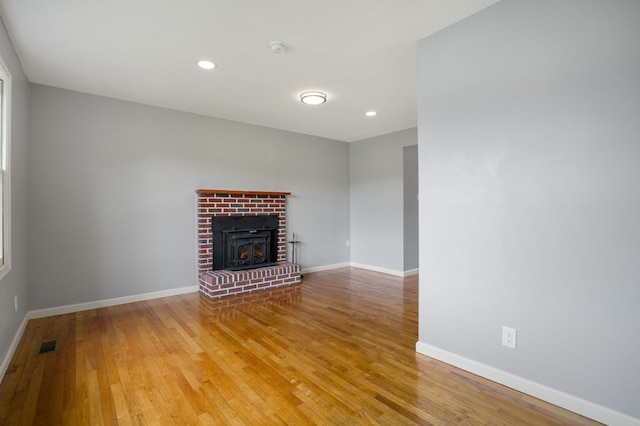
<point x="378" y="269"/>
<point x="14" y="345"/>
<point x="545" y="393"/>
<point x="411" y="272"/>
<point x="67" y="309"/>
<point x="361" y="266"/>
<point x="325" y="268"/>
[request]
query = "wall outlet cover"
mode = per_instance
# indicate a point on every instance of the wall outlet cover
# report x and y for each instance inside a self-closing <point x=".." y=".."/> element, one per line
<point x="509" y="337"/>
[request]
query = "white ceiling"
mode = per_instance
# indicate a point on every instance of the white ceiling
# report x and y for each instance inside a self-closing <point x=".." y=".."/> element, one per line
<point x="361" y="53"/>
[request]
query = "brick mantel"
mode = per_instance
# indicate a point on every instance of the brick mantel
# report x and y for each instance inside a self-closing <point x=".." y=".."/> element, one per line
<point x="205" y="192"/>
<point x="224" y="202"/>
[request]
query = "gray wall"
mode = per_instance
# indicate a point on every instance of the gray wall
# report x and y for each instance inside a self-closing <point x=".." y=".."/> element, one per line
<point x="16" y="283"/>
<point x="530" y="193"/>
<point x="376" y="182"/>
<point x="410" y="183"/>
<point x="112" y="192"/>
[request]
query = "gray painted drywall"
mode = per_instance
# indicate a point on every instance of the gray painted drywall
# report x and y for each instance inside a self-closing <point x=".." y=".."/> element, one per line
<point x="112" y="192"/>
<point x="376" y="199"/>
<point x="530" y="193"/>
<point x="410" y="173"/>
<point x="16" y="283"/>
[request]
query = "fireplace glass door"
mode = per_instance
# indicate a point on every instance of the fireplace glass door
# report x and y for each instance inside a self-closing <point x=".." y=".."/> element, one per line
<point x="247" y="249"/>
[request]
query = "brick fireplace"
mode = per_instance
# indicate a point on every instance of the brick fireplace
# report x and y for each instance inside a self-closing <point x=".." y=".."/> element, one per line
<point x="219" y="283"/>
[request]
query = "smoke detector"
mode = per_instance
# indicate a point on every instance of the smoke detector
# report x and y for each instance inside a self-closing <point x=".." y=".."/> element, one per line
<point x="278" y="46"/>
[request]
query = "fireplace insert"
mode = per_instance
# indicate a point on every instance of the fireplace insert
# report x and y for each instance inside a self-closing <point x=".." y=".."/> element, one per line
<point x="244" y="242"/>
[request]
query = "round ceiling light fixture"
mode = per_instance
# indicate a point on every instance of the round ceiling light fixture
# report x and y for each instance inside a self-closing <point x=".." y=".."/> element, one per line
<point x="207" y="65"/>
<point x="313" y="98"/>
<point x="370" y="113"/>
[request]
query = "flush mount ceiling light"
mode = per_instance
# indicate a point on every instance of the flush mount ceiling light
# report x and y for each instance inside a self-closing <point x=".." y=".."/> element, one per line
<point x="207" y="65"/>
<point x="370" y="113"/>
<point x="313" y="98"/>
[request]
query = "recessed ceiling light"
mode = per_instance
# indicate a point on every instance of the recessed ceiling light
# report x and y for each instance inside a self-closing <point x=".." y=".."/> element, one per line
<point x="207" y="65"/>
<point x="370" y="113"/>
<point x="313" y="98"/>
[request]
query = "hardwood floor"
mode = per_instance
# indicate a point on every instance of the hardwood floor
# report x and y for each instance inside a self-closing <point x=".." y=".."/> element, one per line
<point x="339" y="349"/>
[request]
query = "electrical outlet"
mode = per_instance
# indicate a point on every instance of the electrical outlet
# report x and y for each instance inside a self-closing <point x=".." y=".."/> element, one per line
<point x="15" y="303"/>
<point x="509" y="337"/>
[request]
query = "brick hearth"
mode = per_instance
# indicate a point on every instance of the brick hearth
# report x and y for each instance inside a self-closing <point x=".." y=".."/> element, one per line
<point x="219" y="283"/>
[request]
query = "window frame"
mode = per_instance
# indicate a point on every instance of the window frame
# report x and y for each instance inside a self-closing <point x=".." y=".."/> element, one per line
<point x="5" y="169"/>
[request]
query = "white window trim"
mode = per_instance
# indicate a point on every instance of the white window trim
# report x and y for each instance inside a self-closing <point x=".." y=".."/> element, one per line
<point x="5" y="169"/>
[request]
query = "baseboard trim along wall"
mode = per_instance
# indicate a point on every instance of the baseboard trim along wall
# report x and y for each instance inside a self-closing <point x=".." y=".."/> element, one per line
<point x="361" y="266"/>
<point x="411" y="272"/>
<point x="13" y="346"/>
<point x="545" y="393"/>
<point x="378" y="269"/>
<point x="67" y="309"/>
<point x="325" y="267"/>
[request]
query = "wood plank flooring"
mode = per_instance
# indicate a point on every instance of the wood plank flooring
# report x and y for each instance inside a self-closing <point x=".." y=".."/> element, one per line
<point x="338" y="349"/>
